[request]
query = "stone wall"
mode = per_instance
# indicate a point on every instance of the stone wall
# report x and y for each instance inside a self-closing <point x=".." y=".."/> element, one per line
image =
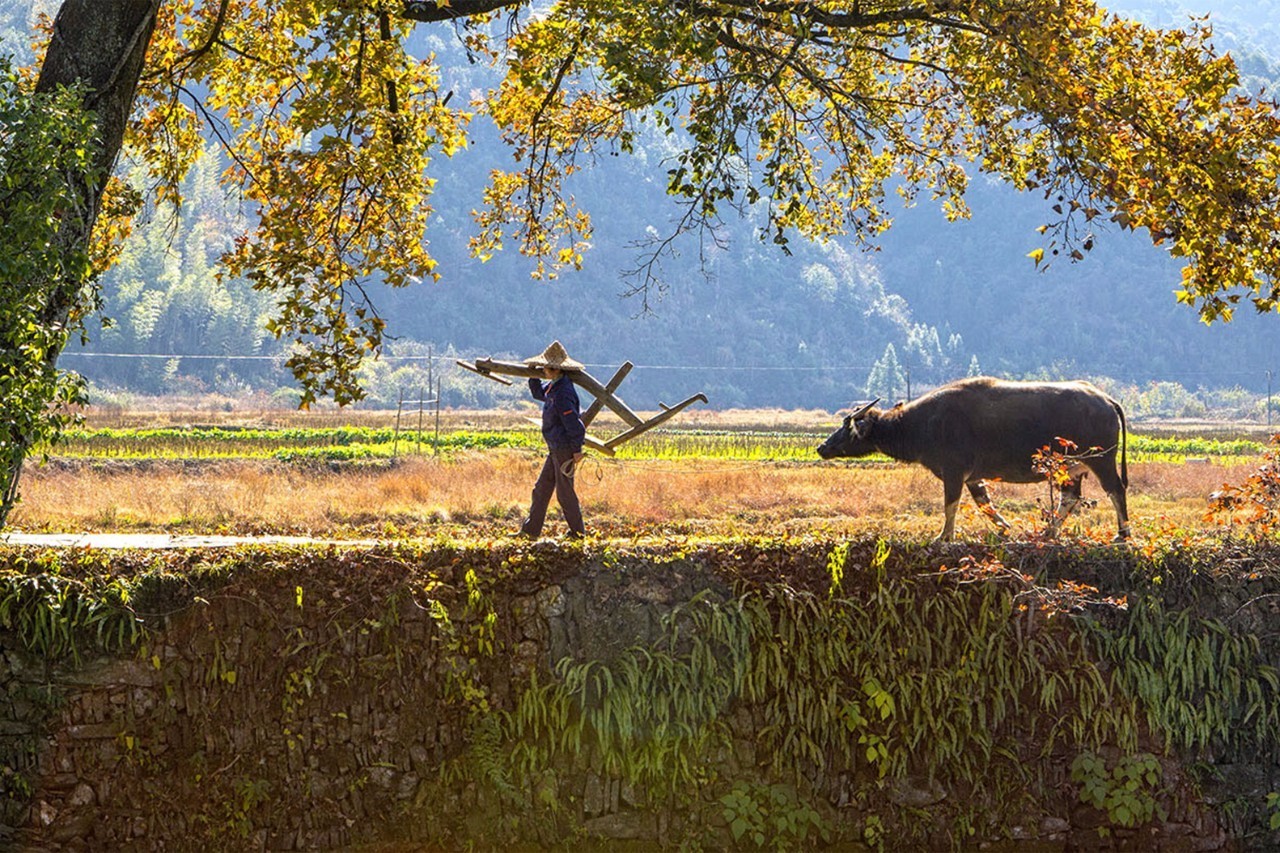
<point x="303" y="700"/>
<point x="295" y="708"/>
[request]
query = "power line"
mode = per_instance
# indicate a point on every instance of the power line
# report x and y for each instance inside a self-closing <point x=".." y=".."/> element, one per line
<point x="171" y="356"/>
<point x="209" y="357"/>
<point x="702" y="368"/>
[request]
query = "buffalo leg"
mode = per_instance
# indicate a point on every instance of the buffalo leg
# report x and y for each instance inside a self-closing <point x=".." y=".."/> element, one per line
<point x="978" y="490"/>
<point x="1109" y="480"/>
<point x="951" y="489"/>
<point x="1122" y="514"/>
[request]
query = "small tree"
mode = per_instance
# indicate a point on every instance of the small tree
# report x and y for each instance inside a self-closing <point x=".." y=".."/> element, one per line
<point x="886" y="378"/>
<point x="1254" y="505"/>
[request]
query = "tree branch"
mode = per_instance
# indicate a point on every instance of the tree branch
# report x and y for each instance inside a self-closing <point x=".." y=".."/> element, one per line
<point x="215" y="35"/>
<point x="763" y="15"/>
<point x="432" y="11"/>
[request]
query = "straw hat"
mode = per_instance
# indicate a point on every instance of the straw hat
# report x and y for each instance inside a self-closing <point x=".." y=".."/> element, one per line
<point x="554" y="357"/>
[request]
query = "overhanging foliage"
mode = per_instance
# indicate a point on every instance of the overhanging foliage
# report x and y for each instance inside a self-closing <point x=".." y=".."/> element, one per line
<point x="45" y="154"/>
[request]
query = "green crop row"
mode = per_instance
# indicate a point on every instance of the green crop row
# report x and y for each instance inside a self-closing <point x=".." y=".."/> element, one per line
<point x="340" y="443"/>
<point x="799" y="446"/>
<point x="353" y="442"/>
<point x="284" y="436"/>
<point x="1193" y="446"/>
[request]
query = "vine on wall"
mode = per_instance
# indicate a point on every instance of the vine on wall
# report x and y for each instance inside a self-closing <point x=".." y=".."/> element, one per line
<point x="845" y="701"/>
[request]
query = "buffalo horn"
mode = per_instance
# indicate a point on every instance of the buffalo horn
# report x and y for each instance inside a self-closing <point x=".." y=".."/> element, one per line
<point x="864" y="409"/>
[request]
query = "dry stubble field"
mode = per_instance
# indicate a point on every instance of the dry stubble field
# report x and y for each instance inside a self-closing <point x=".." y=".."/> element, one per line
<point x="483" y="493"/>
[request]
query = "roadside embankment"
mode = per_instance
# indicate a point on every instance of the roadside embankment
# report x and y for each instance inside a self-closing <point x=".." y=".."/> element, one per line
<point x="793" y="692"/>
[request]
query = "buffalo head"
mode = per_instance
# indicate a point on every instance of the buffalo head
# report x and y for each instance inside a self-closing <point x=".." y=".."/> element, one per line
<point x="851" y="438"/>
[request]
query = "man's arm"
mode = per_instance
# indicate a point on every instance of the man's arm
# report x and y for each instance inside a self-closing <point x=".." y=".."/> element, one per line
<point x="568" y="409"/>
<point x="536" y="389"/>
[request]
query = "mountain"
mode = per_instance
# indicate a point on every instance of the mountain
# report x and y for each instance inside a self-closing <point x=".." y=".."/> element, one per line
<point x="742" y="321"/>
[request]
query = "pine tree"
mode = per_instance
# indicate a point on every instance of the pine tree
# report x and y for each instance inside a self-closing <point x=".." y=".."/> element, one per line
<point x="886" y="378"/>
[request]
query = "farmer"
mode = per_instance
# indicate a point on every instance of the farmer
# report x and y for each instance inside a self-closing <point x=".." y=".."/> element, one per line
<point x="563" y="430"/>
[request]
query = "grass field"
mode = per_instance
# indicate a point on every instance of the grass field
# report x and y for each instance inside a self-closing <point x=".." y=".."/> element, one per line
<point x="719" y="474"/>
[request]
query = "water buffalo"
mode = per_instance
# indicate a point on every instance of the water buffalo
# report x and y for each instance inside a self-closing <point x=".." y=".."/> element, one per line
<point x="985" y="429"/>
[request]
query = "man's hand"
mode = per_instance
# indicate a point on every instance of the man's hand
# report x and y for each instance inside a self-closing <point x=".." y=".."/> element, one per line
<point x="577" y="457"/>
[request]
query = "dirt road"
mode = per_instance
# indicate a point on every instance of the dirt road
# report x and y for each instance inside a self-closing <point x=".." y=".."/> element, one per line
<point x="160" y="540"/>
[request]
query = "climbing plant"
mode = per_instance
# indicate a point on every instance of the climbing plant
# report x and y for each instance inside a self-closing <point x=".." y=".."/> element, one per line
<point x="60" y="619"/>
<point x="920" y="680"/>
<point x="1204" y="687"/>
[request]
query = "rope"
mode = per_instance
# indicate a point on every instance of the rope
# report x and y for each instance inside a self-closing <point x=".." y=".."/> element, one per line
<point x="684" y="468"/>
<point x="599" y="466"/>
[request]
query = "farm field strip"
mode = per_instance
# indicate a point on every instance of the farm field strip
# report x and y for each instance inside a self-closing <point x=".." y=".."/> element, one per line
<point x="719" y="474"/>
<point x="356" y="443"/>
<point x="485" y="494"/>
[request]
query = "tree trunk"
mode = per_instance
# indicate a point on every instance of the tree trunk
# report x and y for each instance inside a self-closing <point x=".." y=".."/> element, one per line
<point x="100" y="44"/>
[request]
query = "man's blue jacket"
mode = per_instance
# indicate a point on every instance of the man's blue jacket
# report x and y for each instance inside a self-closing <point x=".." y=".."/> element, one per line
<point x="562" y="426"/>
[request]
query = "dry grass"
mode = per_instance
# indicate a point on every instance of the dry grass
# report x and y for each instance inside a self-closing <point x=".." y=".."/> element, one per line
<point x="485" y="494"/>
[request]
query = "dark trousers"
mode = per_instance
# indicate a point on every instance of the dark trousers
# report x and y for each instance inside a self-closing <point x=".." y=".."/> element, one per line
<point x="554" y="479"/>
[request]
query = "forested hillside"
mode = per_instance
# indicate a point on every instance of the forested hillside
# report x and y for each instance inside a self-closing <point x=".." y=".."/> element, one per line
<point x="739" y="319"/>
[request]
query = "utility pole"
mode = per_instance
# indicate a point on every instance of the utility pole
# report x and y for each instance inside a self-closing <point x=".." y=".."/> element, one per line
<point x="395" y="443"/>
<point x="422" y="401"/>
<point x="435" y="445"/>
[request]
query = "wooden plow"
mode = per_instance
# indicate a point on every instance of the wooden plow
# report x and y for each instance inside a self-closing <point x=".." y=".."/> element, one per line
<point x="604" y="398"/>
